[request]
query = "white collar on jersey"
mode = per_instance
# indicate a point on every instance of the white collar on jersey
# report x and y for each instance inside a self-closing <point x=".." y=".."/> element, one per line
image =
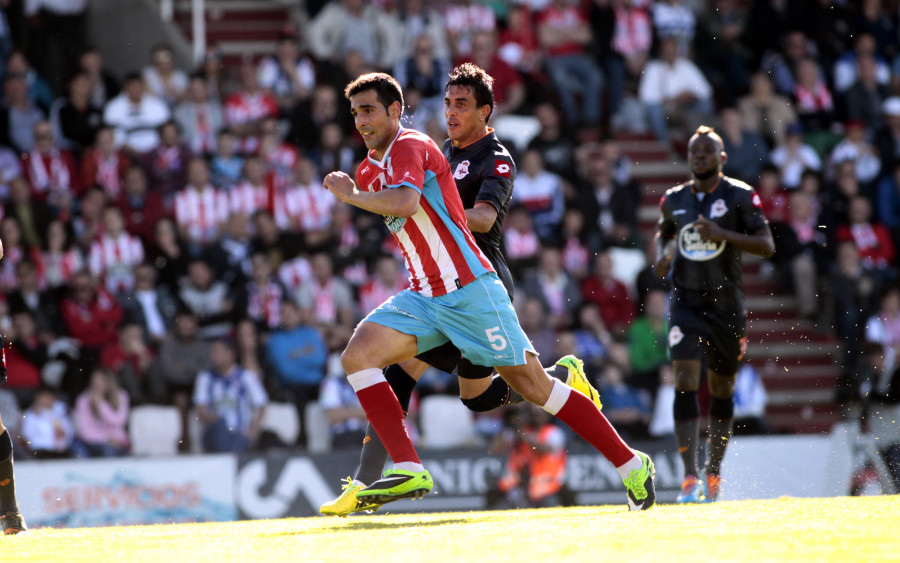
<point x="387" y="153"/>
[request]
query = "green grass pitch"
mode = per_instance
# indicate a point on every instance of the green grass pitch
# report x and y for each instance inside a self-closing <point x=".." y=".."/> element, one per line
<point x="788" y="529"/>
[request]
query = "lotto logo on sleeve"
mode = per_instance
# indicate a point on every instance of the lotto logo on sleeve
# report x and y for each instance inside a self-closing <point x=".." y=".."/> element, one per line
<point x="502" y="168"/>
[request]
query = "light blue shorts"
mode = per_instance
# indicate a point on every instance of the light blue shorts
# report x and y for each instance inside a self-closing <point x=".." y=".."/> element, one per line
<point x="479" y="319"/>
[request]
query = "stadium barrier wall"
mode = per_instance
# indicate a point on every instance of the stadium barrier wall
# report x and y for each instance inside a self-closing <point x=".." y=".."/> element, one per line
<point x="202" y="488"/>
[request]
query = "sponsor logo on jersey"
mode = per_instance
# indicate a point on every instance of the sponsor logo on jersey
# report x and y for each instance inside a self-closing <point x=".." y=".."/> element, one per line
<point x="675" y="336"/>
<point x="394" y="224"/>
<point x="462" y="170"/>
<point x="718" y="209"/>
<point x="693" y="247"/>
<point x="502" y="168"/>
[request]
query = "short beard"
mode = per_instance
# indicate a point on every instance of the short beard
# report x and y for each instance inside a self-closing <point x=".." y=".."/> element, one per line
<point x="705" y="175"/>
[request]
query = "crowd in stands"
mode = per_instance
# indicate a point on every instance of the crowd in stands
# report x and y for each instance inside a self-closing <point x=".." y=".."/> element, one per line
<point x="168" y="240"/>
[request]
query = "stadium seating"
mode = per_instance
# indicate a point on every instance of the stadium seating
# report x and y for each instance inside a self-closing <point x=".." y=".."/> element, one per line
<point x="446" y="423"/>
<point x="318" y="433"/>
<point x="154" y="430"/>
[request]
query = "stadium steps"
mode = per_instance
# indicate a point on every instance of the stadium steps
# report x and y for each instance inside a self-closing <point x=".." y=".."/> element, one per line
<point x="241" y="28"/>
<point x="797" y="361"/>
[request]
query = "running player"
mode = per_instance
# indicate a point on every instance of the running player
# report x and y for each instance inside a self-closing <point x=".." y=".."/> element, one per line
<point x="11" y="521"/>
<point x="455" y="295"/>
<point x="704" y="226"/>
<point x="484" y="173"/>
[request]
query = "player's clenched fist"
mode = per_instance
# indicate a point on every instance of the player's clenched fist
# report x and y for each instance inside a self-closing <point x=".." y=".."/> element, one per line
<point x="340" y="184"/>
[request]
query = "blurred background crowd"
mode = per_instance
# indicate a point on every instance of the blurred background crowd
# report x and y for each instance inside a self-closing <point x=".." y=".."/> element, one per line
<point x="168" y="240"/>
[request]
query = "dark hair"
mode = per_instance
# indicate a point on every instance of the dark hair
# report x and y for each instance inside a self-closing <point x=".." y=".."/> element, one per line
<point x="386" y="88"/>
<point x="707" y="131"/>
<point x="477" y="81"/>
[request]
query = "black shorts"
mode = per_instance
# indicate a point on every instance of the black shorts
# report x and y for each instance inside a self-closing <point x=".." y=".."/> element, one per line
<point x="448" y="358"/>
<point x="718" y="335"/>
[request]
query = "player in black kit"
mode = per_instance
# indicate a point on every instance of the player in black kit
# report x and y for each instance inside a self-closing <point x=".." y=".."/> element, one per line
<point x="704" y="226"/>
<point x="484" y="172"/>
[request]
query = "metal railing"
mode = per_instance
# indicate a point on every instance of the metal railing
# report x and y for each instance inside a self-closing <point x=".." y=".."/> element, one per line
<point x="198" y="24"/>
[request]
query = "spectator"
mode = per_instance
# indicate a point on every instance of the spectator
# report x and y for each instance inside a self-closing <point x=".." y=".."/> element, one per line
<point x="554" y="288"/>
<point x="541" y="193"/>
<point x="167" y="254"/>
<point x="18" y="115"/>
<point x="200" y="117"/>
<point x="846" y="67"/>
<point x="298" y="353"/>
<point x="75" y="119"/>
<point x="863" y="100"/>
<point x="856" y="148"/>
<point x="163" y="79"/>
<point x="764" y="111"/>
<point x="217" y="74"/>
<point x="423" y="71"/>
<point x="141" y="208"/>
<point x="535" y="471"/>
<point x="101" y="417"/>
<point x="104" y="86"/>
<point x="628" y="409"/>
<point x="171" y="377"/>
<point x="593" y="341"/>
<point x="230" y="402"/>
<point x="812" y="97"/>
<point x="41" y="304"/>
<point x="800" y="252"/>
<point x="16" y="250"/>
<point x="794" y="157"/>
<point x="251" y="354"/>
<point x="230" y="256"/>
<point x="327" y="301"/>
<point x="750" y="400"/>
<point x="39" y="91"/>
<point x="46" y="428"/>
<point x="609" y="294"/>
<point x="288" y="74"/>
<point x="32" y="214"/>
<point x="115" y="253"/>
<point x="509" y="89"/>
<point x="333" y="152"/>
<point x="129" y="359"/>
<point x="104" y="164"/>
<point x="887" y="139"/>
<point x="246" y="108"/>
<point x="226" y="165"/>
<point x="10" y="167"/>
<point x="208" y="298"/>
<point x="413" y="19"/>
<point x="150" y="305"/>
<point x="871" y="237"/>
<point x="51" y="171"/>
<point x="647" y="345"/>
<point x="564" y="35"/>
<point x="26" y="355"/>
<point x="200" y="208"/>
<point x="310" y="117"/>
<point x="279" y="157"/>
<point x="167" y="163"/>
<point x="61" y="258"/>
<point x="673" y="90"/>
<point x="464" y="18"/>
<point x="386" y="281"/>
<point x="90" y="315"/>
<point x="352" y="25"/>
<point x="263" y="295"/>
<point x="577" y="243"/>
<point x="63" y="25"/>
<point x="135" y="115"/>
<point x="773" y="197"/>
<point x="673" y="19"/>
<point x="520" y="241"/>
<point x="747" y="151"/>
<point x="552" y="141"/>
<point x="721" y="50"/>
<point x="884" y="325"/>
<point x="533" y="317"/>
<point x="613" y="204"/>
<point x="854" y="290"/>
<point x="346" y="418"/>
<point x="252" y="192"/>
<point x="782" y="63"/>
<point x="519" y="46"/>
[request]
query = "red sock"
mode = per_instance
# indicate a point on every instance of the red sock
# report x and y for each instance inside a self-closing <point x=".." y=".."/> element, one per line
<point x="581" y="414"/>
<point x="386" y="417"/>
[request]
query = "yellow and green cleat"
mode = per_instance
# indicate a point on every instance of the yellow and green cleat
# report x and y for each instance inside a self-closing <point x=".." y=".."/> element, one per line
<point x="578" y="380"/>
<point x="347" y="502"/>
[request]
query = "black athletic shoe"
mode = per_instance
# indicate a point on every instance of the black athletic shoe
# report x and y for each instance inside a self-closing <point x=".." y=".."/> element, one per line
<point x="12" y="523"/>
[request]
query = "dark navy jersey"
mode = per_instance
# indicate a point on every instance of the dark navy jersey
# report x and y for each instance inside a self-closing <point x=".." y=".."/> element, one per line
<point x="485" y="171"/>
<point x="706" y="270"/>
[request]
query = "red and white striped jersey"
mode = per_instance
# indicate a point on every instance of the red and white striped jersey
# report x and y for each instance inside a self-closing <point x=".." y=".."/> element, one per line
<point x="201" y="212"/>
<point x="247" y="199"/>
<point x="440" y="250"/>
<point x="59" y="267"/>
<point x="373" y="293"/>
<point x="113" y="260"/>
<point x="242" y="107"/>
<point x="280" y="161"/>
<point x="294" y="273"/>
<point x="309" y="207"/>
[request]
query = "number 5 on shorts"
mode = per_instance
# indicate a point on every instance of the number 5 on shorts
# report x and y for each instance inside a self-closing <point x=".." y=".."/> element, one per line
<point x="497" y="341"/>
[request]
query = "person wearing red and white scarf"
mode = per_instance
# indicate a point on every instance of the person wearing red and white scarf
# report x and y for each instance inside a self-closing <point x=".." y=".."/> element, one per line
<point x="104" y="164"/>
<point x="264" y="294"/>
<point x="327" y="300"/>
<point x="116" y="253"/>
<point x="51" y="171"/>
<point x="200" y="209"/>
<point x="873" y="239"/>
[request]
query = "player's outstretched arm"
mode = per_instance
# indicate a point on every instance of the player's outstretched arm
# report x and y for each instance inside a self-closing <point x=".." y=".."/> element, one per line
<point x="395" y="202"/>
